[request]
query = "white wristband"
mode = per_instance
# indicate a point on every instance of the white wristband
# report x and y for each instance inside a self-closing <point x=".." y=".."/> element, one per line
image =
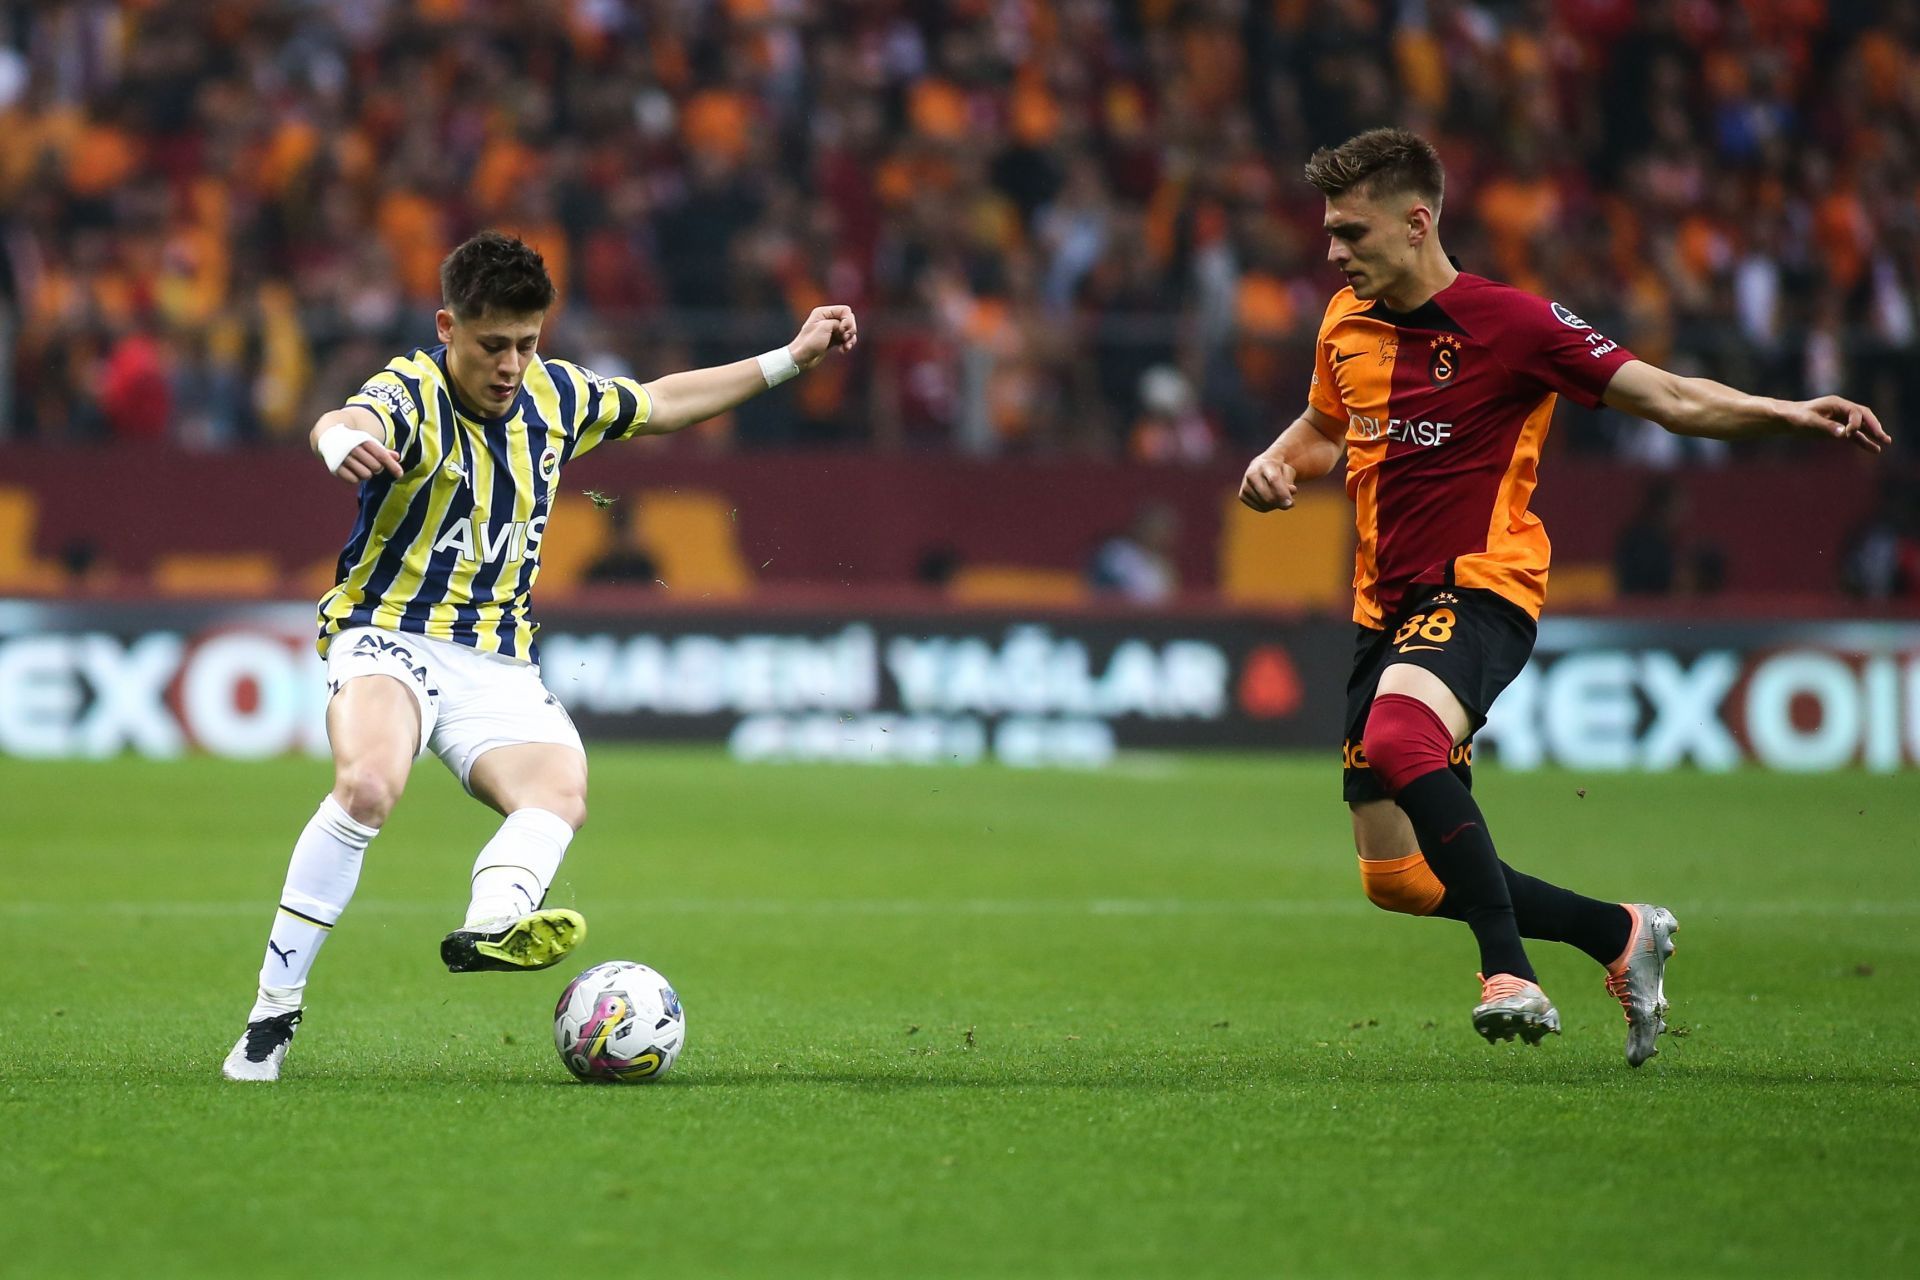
<point x="777" y="366"/>
<point x="339" y="440"/>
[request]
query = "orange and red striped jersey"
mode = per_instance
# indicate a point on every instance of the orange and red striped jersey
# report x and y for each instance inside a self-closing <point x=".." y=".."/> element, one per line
<point x="1446" y="408"/>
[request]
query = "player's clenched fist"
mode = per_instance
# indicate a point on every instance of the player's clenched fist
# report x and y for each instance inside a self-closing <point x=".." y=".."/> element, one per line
<point x="825" y="329"/>
<point x="367" y="460"/>
<point x="1269" y="484"/>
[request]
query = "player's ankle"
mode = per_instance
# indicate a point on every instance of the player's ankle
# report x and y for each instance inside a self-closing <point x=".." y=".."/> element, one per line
<point x="489" y="913"/>
<point x="271" y="1002"/>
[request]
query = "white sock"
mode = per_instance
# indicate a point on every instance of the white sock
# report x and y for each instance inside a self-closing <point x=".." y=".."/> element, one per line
<point x="511" y="875"/>
<point x="320" y="881"/>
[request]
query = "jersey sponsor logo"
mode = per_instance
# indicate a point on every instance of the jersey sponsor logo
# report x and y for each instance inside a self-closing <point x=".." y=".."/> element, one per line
<point x="1420" y="431"/>
<point x="476" y="540"/>
<point x="397" y="401"/>
<point x="1599" y="345"/>
<point x="1567" y="317"/>
<point x="1444" y="362"/>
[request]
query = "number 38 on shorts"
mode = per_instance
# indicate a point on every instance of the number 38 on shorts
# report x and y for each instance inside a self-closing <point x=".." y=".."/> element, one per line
<point x="1436" y="627"/>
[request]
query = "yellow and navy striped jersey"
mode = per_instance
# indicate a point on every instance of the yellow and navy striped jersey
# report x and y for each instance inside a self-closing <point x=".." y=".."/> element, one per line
<point x="451" y="548"/>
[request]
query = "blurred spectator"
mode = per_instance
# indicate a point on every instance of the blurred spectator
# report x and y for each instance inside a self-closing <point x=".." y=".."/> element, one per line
<point x="1647" y="554"/>
<point x="1138" y="565"/>
<point x="626" y="561"/>
<point x="226" y="209"/>
<point x="78" y="559"/>
<point x="1651" y="557"/>
<point x="1882" y="557"/>
<point x="1705" y="570"/>
<point x="937" y="567"/>
<point x="134" y="394"/>
<point x="1171" y="427"/>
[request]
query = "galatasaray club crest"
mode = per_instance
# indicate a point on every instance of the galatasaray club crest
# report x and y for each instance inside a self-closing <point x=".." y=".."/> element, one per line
<point x="1443" y="365"/>
<point x="550" y="464"/>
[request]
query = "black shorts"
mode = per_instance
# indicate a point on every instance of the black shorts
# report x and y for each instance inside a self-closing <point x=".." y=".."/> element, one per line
<point x="1475" y="640"/>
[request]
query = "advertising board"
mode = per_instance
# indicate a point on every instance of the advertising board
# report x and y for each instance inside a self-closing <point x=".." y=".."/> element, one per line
<point x="242" y="680"/>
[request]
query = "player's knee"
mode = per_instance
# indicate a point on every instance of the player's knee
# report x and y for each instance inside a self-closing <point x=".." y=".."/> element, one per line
<point x="367" y="792"/>
<point x="1404" y="739"/>
<point x="1406" y="885"/>
<point x="567" y="801"/>
<point x="572" y="809"/>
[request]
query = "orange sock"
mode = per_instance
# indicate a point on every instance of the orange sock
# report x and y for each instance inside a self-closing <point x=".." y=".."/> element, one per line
<point x="1406" y="885"/>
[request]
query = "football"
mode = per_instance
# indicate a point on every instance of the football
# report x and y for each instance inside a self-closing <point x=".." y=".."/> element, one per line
<point x="619" y="1023"/>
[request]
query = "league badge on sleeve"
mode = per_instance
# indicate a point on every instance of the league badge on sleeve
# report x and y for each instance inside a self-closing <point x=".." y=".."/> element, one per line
<point x="1567" y="317"/>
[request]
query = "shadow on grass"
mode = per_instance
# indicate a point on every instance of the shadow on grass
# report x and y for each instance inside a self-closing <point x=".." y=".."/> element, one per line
<point x="1286" y="1069"/>
<point x="1294" y="1077"/>
<point x="1285" y="1076"/>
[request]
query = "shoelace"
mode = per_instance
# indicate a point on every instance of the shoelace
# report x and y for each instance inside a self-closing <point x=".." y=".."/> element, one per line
<point x="1617" y="987"/>
<point x="268" y="1034"/>
<point x="1500" y="986"/>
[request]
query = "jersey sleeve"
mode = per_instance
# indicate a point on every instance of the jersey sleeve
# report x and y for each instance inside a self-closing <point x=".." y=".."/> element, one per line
<point x="396" y="397"/>
<point x="1323" y="393"/>
<point x="1541" y="339"/>
<point x="604" y="408"/>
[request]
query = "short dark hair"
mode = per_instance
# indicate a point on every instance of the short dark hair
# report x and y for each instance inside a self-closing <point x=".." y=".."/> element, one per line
<point x="495" y="272"/>
<point x="1383" y="162"/>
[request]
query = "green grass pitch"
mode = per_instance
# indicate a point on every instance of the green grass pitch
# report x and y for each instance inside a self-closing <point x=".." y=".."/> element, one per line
<point x="960" y="1023"/>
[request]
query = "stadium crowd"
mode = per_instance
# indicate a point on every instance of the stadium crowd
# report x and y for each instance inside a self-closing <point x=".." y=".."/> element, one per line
<point x="1068" y="226"/>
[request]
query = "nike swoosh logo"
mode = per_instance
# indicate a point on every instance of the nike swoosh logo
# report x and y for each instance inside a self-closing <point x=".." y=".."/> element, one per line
<point x="1409" y="648"/>
<point x="1341" y="359"/>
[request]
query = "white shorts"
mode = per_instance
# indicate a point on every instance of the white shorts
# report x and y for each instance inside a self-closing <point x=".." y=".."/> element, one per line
<point x="470" y="702"/>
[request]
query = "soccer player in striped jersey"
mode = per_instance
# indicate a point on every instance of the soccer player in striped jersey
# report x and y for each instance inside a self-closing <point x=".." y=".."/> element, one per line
<point x="456" y="451"/>
<point x="1437" y="387"/>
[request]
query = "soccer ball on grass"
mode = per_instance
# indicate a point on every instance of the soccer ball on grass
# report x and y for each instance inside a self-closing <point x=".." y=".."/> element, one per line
<point x="620" y="1023"/>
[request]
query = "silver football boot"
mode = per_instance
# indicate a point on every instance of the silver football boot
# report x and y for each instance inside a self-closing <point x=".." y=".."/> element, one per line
<point x="1510" y="1007"/>
<point x="1638" y="978"/>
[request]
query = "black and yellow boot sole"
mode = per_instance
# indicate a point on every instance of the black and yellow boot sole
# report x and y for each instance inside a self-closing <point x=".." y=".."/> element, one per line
<point x="536" y="941"/>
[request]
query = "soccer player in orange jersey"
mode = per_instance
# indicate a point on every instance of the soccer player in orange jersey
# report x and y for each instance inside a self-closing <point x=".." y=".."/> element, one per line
<point x="1438" y="387"/>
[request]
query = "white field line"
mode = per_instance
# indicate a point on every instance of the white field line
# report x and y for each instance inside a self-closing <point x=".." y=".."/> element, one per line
<point x="1272" y="908"/>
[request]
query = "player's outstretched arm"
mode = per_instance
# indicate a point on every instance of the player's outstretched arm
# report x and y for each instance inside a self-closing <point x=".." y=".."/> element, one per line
<point x="348" y="441"/>
<point x="1306" y="450"/>
<point x="682" y="399"/>
<point x="1702" y="407"/>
